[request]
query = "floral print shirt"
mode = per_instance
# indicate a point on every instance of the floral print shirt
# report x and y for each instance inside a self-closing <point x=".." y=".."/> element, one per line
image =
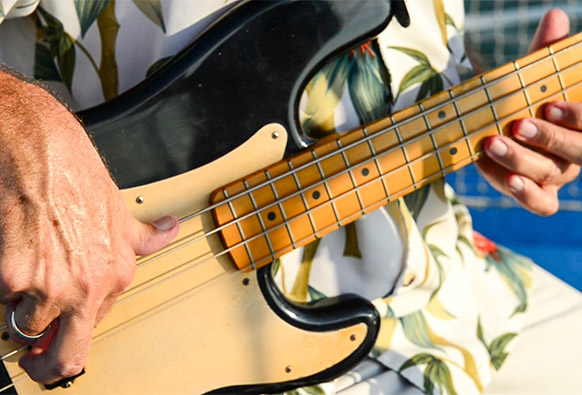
<point x="451" y="302"/>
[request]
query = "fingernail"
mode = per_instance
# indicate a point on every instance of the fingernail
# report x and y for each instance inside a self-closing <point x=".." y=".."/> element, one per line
<point x="165" y="223"/>
<point x="516" y="184"/>
<point x="497" y="147"/>
<point x="527" y="130"/>
<point x="555" y="114"/>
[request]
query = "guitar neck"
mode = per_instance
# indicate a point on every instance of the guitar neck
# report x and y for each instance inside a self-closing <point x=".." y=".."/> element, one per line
<point x="343" y="177"/>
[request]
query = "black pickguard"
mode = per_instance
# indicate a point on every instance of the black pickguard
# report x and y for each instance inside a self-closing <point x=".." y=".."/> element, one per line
<point x="245" y="71"/>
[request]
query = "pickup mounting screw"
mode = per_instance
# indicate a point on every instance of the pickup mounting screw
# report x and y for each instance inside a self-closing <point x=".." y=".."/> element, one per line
<point x="139" y="199"/>
<point x="288" y="369"/>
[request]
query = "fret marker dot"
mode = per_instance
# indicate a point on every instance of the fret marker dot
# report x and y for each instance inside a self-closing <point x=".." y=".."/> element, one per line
<point x="544" y="88"/>
<point x="316" y="195"/>
<point x="453" y="151"/>
<point x="442" y="114"/>
<point x="271" y="216"/>
<point x="365" y="171"/>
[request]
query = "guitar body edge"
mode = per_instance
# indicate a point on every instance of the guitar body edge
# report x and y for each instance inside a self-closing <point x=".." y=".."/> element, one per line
<point x="191" y="323"/>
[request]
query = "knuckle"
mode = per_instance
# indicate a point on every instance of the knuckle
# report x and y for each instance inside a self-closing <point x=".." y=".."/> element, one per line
<point x="575" y="115"/>
<point x="67" y="368"/>
<point x="11" y="284"/>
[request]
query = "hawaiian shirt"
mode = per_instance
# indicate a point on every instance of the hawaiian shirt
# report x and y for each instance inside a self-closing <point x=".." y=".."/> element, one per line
<point x="451" y="302"/>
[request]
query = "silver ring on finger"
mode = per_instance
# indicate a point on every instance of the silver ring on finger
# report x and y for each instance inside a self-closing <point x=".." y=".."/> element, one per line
<point x="20" y="333"/>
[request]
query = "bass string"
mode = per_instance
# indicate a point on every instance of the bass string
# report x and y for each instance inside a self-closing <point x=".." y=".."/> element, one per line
<point x="423" y="113"/>
<point x="489" y="105"/>
<point x="176" y="245"/>
<point x="304" y="189"/>
<point x="262" y="234"/>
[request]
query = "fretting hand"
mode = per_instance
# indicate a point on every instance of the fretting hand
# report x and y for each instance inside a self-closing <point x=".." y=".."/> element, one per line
<point x="548" y="152"/>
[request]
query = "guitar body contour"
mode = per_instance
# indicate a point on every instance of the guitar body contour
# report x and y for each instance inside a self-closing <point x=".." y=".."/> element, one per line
<point x="191" y="321"/>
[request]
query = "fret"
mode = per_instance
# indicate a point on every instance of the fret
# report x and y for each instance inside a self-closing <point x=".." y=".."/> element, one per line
<point x="569" y="57"/>
<point x="411" y="129"/>
<point x="341" y="178"/>
<point x="540" y="92"/>
<point x="462" y="123"/>
<point x="358" y="150"/>
<point x="260" y="218"/>
<point x="502" y="82"/>
<point x="324" y="219"/>
<point x="302" y="196"/>
<point x="377" y="163"/>
<point x="525" y="94"/>
<point x="400" y="141"/>
<point x="372" y="193"/>
<point x="542" y="68"/>
<point x="571" y="75"/>
<point x="558" y="72"/>
<point x="443" y="115"/>
<point x="281" y="210"/>
<point x="432" y="138"/>
<point x="455" y="154"/>
<point x="240" y="231"/>
<point x="426" y="167"/>
<point x="323" y="177"/>
<point x="356" y="188"/>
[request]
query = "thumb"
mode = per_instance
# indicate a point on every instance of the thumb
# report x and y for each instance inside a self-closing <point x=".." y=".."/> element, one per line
<point x="149" y="238"/>
<point x="554" y="26"/>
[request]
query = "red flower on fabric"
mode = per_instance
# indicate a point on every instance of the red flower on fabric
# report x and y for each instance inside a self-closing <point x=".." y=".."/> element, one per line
<point x="485" y="246"/>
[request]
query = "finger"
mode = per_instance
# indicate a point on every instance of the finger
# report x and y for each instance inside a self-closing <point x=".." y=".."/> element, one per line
<point x="559" y="141"/>
<point x="539" y="200"/>
<point x="566" y="114"/>
<point x="149" y="238"/>
<point x="494" y="174"/>
<point x="66" y="354"/>
<point x="554" y="26"/>
<point x="31" y="317"/>
<point x="524" y="161"/>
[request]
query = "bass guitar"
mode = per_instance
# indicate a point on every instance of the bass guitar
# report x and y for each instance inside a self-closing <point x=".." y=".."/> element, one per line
<point x="204" y="139"/>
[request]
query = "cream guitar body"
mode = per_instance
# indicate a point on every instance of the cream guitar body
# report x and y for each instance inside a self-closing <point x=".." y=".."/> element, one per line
<point x="204" y="314"/>
<point x="191" y="323"/>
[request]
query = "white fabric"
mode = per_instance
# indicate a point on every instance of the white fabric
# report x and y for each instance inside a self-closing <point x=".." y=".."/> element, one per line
<point x="546" y="358"/>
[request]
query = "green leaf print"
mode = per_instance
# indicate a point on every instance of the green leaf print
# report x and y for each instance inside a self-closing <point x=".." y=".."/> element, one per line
<point x="88" y="11"/>
<point x="431" y="81"/>
<point x="496" y="350"/>
<point x="152" y="9"/>
<point x="44" y="65"/>
<point x="416" y="200"/>
<point x="417" y="74"/>
<point x="2" y="13"/>
<point x="449" y="21"/>
<point x="415" y="329"/>
<point x="515" y="270"/>
<point x="413" y="53"/>
<point x="61" y="46"/>
<point x="436" y="373"/>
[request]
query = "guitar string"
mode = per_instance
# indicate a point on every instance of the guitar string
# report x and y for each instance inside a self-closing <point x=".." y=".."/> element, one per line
<point x="392" y="149"/>
<point x="399" y="147"/>
<point x="333" y="225"/>
<point x="414" y="117"/>
<point x="490" y="104"/>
